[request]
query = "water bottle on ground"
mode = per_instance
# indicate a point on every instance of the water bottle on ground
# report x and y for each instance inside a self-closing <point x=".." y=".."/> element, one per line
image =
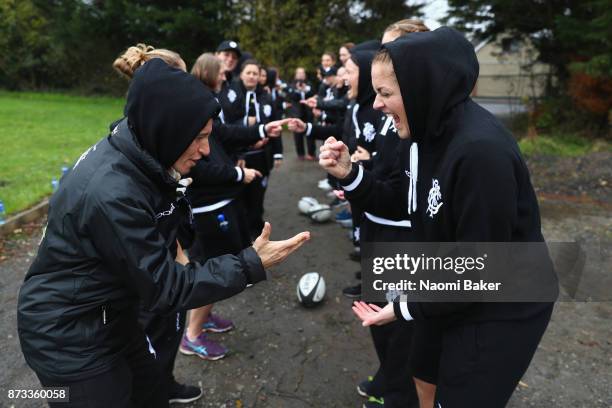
<point x="54" y="184"/>
<point x="2" y="213"/>
<point x="223" y="223"/>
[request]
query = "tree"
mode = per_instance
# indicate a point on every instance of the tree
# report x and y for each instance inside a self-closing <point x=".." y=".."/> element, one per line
<point x="24" y="44"/>
<point x="573" y="36"/>
<point x="293" y="33"/>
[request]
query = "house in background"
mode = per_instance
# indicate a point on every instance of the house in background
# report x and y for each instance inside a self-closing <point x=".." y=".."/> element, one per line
<point x="509" y="70"/>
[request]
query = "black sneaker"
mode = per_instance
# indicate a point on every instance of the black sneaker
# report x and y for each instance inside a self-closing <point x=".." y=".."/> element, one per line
<point x="363" y="388"/>
<point x="355" y="256"/>
<point x="352" y="292"/>
<point x="183" y="394"/>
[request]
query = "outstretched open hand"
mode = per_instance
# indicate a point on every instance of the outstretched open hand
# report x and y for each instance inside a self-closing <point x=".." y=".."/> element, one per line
<point x="370" y="314"/>
<point x="272" y="253"/>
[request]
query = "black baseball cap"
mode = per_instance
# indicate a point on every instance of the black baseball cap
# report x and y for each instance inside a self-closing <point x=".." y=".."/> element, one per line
<point x="331" y="71"/>
<point x="229" y="45"/>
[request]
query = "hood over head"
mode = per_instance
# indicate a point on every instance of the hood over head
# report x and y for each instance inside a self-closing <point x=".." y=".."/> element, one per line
<point x="371" y="45"/>
<point x="365" y="92"/>
<point x="436" y="71"/>
<point x="166" y="109"/>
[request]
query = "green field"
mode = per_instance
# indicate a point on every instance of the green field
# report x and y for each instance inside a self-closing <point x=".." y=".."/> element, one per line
<point x="40" y="133"/>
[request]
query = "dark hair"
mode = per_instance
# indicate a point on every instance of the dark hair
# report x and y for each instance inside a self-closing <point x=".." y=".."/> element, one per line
<point x="331" y="55"/>
<point x="348" y="45"/>
<point x="250" y="61"/>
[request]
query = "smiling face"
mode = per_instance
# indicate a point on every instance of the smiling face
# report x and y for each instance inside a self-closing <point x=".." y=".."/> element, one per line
<point x="389" y="97"/>
<point x="344" y="55"/>
<point x="250" y="76"/>
<point x="300" y="74"/>
<point x="352" y="78"/>
<point x="327" y="61"/>
<point x="196" y="150"/>
<point x="263" y="76"/>
<point x="229" y="58"/>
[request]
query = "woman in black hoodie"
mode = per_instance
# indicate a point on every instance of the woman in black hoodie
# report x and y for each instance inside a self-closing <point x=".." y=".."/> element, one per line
<point x="473" y="186"/>
<point x="105" y="254"/>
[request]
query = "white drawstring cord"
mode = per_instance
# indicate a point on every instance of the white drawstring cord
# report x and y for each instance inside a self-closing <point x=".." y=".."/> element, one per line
<point x="414" y="173"/>
<point x="355" y="124"/>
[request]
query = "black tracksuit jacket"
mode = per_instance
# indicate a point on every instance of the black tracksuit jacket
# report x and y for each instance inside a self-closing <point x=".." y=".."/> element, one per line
<point x="109" y="245"/>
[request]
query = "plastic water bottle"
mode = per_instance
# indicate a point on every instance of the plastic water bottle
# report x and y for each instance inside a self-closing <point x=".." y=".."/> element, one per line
<point x="64" y="170"/>
<point x="223" y="223"/>
<point x="2" y="213"/>
<point x="54" y="184"/>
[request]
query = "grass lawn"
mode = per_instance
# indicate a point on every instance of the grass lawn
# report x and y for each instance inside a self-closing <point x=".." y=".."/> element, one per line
<point x="562" y="144"/>
<point x="40" y="133"/>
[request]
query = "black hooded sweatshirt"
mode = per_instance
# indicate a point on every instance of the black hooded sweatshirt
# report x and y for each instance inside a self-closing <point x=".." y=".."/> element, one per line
<point x="464" y="176"/>
<point x="107" y="248"/>
<point x="365" y="119"/>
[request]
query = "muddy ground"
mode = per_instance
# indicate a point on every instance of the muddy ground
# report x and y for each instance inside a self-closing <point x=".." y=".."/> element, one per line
<point x="283" y="355"/>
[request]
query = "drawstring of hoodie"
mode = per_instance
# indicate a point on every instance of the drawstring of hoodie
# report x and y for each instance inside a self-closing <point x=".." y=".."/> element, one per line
<point x="221" y="115"/>
<point x="355" y="123"/>
<point x="246" y="114"/>
<point x="414" y="173"/>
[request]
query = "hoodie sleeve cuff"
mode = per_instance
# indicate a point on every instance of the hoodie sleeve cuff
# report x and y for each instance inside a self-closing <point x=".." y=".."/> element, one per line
<point x="240" y="174"/>
<point x="351" y="182"/>
<point x="308" y="129"/>
<point x="262" y="131"/>
<point x="400" y="308"/>
<point x="253" y="268"/>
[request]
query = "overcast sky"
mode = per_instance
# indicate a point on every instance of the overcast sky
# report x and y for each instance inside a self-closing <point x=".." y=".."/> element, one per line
<point x="434" y="11"/>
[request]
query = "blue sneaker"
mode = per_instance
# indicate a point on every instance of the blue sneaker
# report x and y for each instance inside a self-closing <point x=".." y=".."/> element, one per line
<point x="344" y="215"/>
<point x="202" y="347"/>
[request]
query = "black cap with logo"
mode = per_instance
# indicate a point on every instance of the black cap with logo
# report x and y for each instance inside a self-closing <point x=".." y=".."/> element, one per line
<point x="229" y="45"/>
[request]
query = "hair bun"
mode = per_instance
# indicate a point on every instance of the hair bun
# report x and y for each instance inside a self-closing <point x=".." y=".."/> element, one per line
<point x="132" y="59"/>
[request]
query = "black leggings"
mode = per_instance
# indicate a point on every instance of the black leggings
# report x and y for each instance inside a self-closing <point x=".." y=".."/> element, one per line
<point x="392" y="342"/>
<point x="134" y="381"/>
<point x="299" y="144"/>
<point x="482" y="363"/>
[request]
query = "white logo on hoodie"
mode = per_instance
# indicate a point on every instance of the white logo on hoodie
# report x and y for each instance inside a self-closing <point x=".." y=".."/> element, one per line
<point x="433" y="203"/>
<point x="267" y="110"/>
<point x="231" y="95"/>
<point x="369" y="132"/>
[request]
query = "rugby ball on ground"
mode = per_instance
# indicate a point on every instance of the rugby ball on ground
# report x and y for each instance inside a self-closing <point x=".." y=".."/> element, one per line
<point x="320" y="213"/>
<point x="311" y="289"/>
<point x="305" y="203"/>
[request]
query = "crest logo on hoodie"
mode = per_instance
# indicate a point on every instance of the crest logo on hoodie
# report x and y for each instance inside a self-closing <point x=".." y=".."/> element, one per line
<point x="433" y="199"/>
<point x="231" y="95"/>
<point x="369" y="132"/>
<point x="267" y="110"/>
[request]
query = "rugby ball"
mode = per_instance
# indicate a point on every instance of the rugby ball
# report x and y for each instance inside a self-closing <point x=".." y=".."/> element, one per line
<point x="320" y="213"/>
<point x="305" y="203"/>
<point x="311" y="289"/>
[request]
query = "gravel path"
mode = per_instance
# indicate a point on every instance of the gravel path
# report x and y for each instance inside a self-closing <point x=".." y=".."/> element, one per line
<point x="283" y="355"/>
